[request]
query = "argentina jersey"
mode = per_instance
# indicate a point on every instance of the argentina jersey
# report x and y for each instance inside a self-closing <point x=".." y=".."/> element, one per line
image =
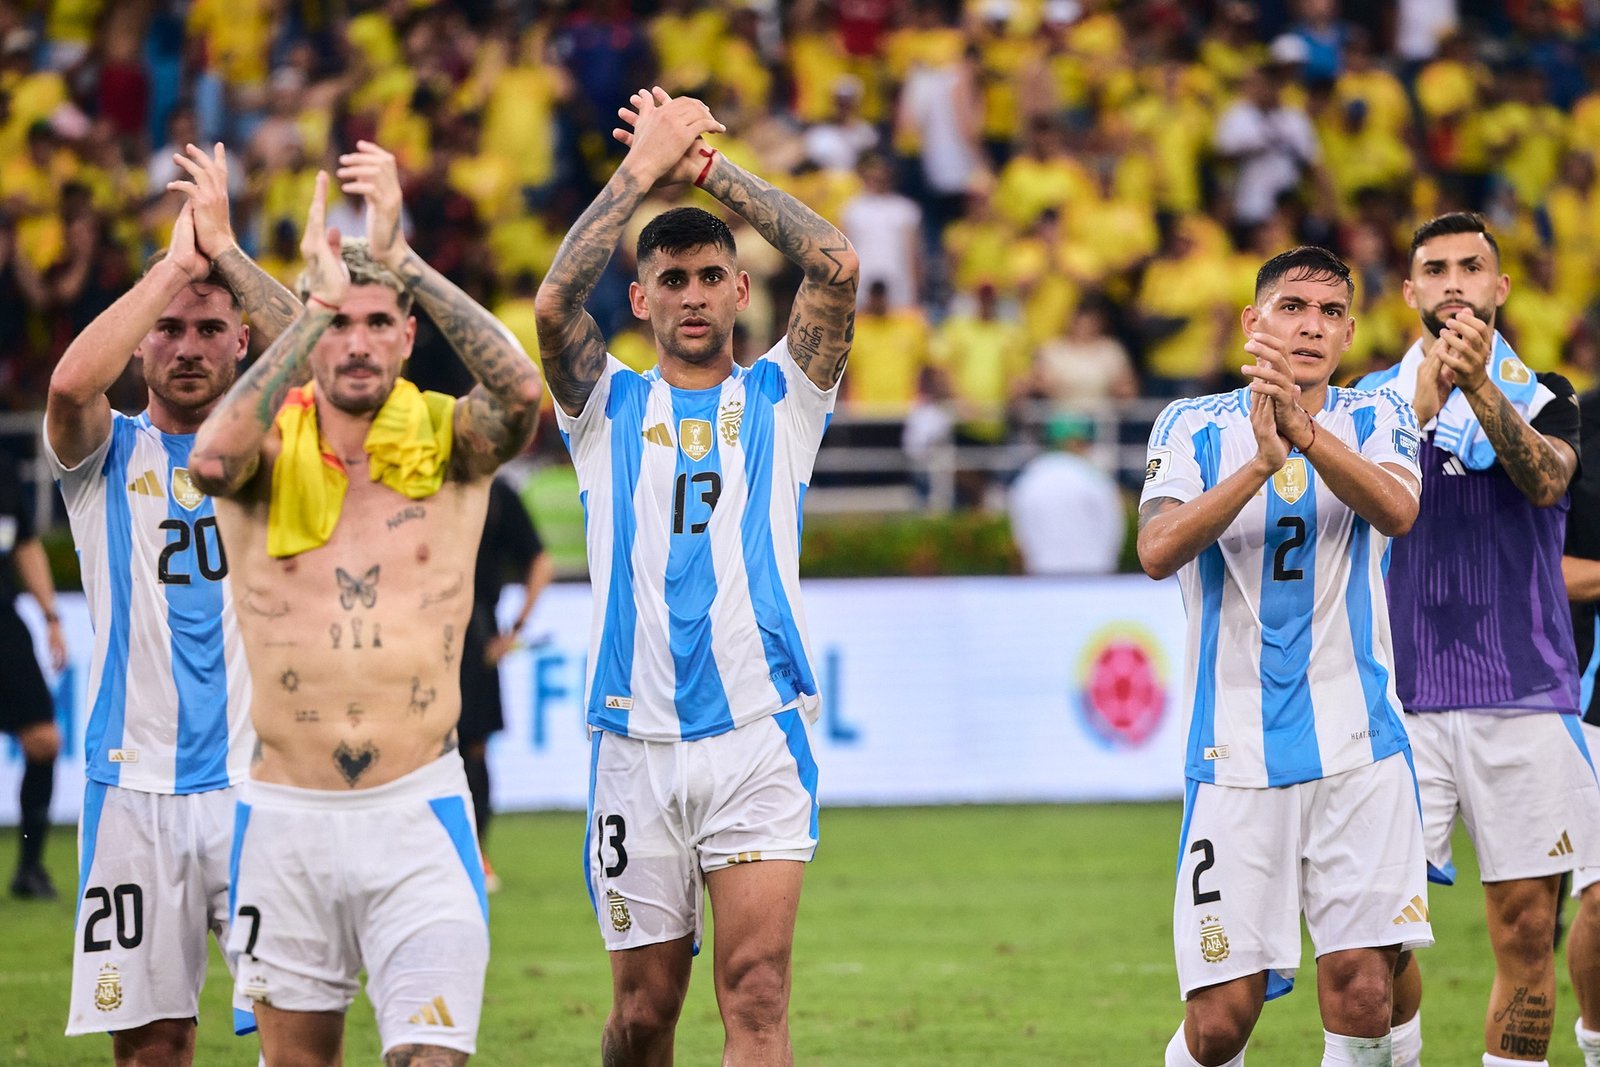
<point x="168" y="681"/>
<point x="692" y="514"/>
<point x="1289" y="662"/>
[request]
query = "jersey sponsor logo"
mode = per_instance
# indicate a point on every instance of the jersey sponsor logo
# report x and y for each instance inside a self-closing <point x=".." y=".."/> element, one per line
<point x="123" y="755"/>
<point x="1290" y="483"/>
<point x="184" y="491"/>
<point x="434" y="1013"/>
<point x="695" y="437"/>
<point x="147" y="484"/>
<point x="108" y="988"/>
<point x="1414" y="912"/>
<point x="1513" y="370"/>
<point x="619" y="703"/>
<point x="1407" y="444"/>
<point x="621" y="921"/>
<point x="1213" y="940"/>
<point x="729" y="419"/>
<point x="658" y="435"/>
<point x="1156" y="467"/>
<point x="1215" y="752"/>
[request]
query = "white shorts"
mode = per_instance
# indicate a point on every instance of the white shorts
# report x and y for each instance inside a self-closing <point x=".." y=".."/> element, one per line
<point x="152" y="881"/>
<point x="663" y="813"/>
<point x="388" y="878"/>
<point x="1523" y="784"/>
<point x="1345" y="850"/>
<point x="1584" y="877"/>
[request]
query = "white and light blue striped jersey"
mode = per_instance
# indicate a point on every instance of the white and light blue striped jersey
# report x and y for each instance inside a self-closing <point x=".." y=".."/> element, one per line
<point x="692" y="505"/>
<point x="1288" y="672"/>
<point x="168" y="680"/>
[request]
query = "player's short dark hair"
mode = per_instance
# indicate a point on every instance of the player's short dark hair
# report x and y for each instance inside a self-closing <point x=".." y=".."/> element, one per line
<point x="1452" y="222"/>
<point x="1311" y="262"/>
<point x="214" y="278"/>
<point x="683" y="229"/>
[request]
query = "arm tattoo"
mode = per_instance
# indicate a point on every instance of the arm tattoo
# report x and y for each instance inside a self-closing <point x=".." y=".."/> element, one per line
<point x="822" y="327"/>
<point x="270" y="306"/>
<point x="498" y="423"/>
<point x="1531" y="462"/>
<point x="570" y="341"/>
<point x="1153" y="507"/>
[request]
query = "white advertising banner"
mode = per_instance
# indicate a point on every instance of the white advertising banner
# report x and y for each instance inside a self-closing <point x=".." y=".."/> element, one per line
<point x="935" y="691"/>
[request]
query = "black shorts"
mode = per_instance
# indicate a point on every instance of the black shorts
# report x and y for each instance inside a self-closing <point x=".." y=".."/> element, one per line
<point x="24" y="698"/>
<point x="481" y="711"/>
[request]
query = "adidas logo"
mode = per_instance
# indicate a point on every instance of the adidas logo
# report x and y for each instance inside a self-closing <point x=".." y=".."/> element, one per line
<point x="1563" y="847"/>
<point x="434" y="1014"/>
<point x="659" y="435"/>
<point x="146" y="485"/>
<point x="1453" y="465"/>
<point x="1414" y="912"/>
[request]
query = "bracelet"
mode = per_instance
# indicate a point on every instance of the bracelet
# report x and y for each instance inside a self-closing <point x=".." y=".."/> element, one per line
<point x="1307" y="446"/>
<point x="313" y="298"/>
<point x="711" y="157"/>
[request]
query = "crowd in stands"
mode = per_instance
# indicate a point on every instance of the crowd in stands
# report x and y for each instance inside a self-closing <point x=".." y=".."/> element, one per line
<point x="1056" y="200"/>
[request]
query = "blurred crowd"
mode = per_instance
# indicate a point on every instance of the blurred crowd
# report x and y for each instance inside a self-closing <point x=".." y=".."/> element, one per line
<point x="1054" y="200"/>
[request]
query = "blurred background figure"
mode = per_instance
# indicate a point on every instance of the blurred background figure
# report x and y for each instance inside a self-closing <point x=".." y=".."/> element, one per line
<point x="1067" y="515"/>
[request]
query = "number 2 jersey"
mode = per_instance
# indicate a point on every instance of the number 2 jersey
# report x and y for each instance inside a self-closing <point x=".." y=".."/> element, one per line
<point x="692" y="503"/>
<point x="1289" y="664"/>
<point x="168" y="684"/>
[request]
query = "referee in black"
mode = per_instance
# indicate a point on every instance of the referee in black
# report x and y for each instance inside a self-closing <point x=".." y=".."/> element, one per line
<point x="27" y="711"/>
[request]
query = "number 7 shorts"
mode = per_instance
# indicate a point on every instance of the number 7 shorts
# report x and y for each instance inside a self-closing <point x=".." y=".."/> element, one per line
<point x="1344" y="850"/>
<point x="387" y="878"/>
<point x="664" y="813"/>
<point x="152" y="884"/>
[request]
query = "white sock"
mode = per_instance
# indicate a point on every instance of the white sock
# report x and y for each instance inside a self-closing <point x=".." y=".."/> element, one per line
<point x="1178" y="1053"/>
<point x="1357" y="1051"/>
<point x="1588" y="1044"/>
<point x="1491" y="1060"/>
<point x="1406" y="1041"/>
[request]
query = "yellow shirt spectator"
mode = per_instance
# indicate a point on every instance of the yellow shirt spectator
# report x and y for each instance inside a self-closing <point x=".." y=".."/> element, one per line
<point x="687" y="42"/>
<point x="237" y="34"/>
<point x="890" y="350"/>
<point x="986" y="358"/>
<point x="1526" y="141"/>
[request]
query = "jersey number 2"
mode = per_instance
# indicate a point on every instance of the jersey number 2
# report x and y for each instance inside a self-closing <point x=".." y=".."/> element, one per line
<point x="1280" y="572"/>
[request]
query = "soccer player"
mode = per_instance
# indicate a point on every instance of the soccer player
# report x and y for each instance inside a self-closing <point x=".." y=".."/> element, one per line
<point x="1484" y="661"/>
<point x="28" y="713"/>
<point x="1274" y="505"/>
<point x="1580" y="571"/>
<point x="168" y="737"/>
<point x="352" y="507"/>
<point x="700" y="683"/>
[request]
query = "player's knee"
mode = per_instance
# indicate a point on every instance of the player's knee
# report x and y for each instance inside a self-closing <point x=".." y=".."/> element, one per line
<point x="1365" y="994"/>
<point x="41" y="743"/>
<point x="756" y="997"/>
<point x="1218" y="1036"/>
<point x="1529" y="936"/>
<point x="640" y="1016"/>
<point x="162" y="1043"/>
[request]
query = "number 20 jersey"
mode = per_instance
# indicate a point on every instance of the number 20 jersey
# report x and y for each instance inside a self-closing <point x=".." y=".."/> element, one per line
<point x="1289" y="665"/>
<point x="169" y="690"/>
<point x="692" y="505"/>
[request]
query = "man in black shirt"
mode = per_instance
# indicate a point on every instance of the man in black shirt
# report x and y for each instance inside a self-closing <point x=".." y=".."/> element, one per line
<point x="26" y="709"/>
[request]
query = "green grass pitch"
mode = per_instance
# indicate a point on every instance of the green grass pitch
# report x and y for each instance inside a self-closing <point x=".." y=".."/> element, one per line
<point x="983" y="936"/>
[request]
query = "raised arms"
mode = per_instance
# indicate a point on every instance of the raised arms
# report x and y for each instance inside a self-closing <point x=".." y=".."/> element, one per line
<point x="570" y="341"/>
<point x="227" y="448"/>
<point x="495" y="421"/>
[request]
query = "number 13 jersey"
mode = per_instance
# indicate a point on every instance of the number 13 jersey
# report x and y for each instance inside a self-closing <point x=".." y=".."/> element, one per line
<point x="1289" y="666"/>
<point x="169" y="689"/>
<point x="692" y="503"/>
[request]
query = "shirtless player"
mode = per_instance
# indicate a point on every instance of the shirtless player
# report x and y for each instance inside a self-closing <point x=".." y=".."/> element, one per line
<point x="351" y="509"/>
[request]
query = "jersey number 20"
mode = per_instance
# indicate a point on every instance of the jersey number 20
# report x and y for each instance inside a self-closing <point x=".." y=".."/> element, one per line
<point x="206" y="540"/>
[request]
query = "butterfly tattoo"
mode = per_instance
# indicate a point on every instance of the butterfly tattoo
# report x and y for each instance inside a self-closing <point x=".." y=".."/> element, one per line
<point x="363" y="589"/>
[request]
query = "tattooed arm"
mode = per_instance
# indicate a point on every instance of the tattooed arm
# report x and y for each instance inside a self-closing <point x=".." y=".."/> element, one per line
<point x="573" y="349"/>
<point x="227" y="449"/>
<point x="270" y="306"/>
<point x="495" y="421"/>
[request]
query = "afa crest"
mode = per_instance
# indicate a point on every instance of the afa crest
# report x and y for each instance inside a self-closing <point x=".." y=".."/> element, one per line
<point x="621" y="921"/>
<point x="1213" y="941"/>
<point x="694" y="435"/>
<point x="729" y="419"/>
<point x="108" y="988"/>
<point x="1290" y="483"/>
<point x="184" y="491"/>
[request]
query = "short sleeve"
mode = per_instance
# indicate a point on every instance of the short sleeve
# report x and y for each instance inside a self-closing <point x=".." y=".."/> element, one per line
<point x="1583" y="520"/>
<point x="1559" y="417"/>
<point x="78" y="481"/>
<point x="1394" y="438"/>
<point x="810" y="406"/>
<point x="1171" y="468"/>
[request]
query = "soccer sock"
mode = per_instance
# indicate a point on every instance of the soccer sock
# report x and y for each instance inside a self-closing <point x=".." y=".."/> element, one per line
<point x="1406" y="1042"/>
<point x="1178" y="1053"/>
<point x="1588" y="1044"/>
<point x="1491" y="1060"/>
<point x="478" y="785"/>
<point x="38" y="783"/>
<point x="1359" y="1051"/>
